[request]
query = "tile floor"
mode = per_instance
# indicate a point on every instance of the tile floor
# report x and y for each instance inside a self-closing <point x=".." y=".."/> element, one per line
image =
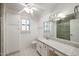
<point x="28" y="52"/>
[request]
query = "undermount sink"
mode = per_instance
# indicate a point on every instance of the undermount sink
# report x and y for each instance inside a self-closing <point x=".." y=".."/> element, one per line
<point x="74" y="44"/>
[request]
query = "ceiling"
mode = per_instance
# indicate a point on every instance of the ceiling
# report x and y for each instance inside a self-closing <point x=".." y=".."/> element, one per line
<point x="46" y="6"/>
<point x="43" y="8"/>
<point x="14" y="6"/>
<point x="40" y="6"/>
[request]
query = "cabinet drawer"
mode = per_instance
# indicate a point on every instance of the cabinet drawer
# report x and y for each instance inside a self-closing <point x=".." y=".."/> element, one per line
<point x="53" y="52"/>
<point x="45" y="50"/>
<point x="58" y="53"/>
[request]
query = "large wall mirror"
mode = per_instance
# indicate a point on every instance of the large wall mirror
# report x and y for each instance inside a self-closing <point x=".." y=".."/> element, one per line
<point x="63" y="27"/>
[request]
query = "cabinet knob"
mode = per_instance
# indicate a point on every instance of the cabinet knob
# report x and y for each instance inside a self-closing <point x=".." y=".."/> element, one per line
<point x="70" y="34"/>
<point x="45" y="46"/>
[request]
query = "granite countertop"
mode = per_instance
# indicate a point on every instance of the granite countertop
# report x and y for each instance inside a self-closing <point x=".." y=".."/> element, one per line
<point x="64" y="48"/>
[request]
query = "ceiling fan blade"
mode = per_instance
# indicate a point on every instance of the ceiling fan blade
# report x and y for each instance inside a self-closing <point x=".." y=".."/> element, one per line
<point x="21" y="11"/>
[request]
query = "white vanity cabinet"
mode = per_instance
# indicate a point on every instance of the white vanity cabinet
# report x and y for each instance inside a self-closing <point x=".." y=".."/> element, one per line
<point x="38" y="47"/>
<point x="42" y="48"/>
<point x="45" y="50"/>
<point x="55" y="48"/>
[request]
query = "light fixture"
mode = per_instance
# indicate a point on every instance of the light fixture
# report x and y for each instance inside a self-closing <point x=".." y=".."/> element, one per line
<point x="31" y="11"/>
<point x="61" y="15"/>
<point x="28" y="8"/>
<point x="57" y="19"/>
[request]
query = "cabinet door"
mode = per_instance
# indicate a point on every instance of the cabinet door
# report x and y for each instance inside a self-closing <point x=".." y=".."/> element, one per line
<point x="39" y="47"/>
<point x="12" y="39"/>
<point x="43" y="49"/>
<point x="12" y="32"/>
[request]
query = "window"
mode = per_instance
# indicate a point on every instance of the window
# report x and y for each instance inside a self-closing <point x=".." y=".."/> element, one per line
<point x="25" y="25"/>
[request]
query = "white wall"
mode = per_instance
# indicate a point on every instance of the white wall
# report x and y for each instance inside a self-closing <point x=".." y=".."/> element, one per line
<point x="74" y="30"/>
<point x="16" y="39"/>
<point x="26" y="38"/>
<point x="11" y="31"/>
<point x="44" y="18"/>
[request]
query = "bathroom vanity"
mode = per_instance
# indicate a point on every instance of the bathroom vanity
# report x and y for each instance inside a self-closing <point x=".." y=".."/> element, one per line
<point x="54" y="48"/>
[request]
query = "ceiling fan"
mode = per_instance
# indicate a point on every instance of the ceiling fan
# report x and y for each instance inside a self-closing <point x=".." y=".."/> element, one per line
<point x="28" y="8"/>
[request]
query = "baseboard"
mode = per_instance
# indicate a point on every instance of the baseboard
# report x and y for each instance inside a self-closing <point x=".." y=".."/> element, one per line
<point x="12" y="53"/>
